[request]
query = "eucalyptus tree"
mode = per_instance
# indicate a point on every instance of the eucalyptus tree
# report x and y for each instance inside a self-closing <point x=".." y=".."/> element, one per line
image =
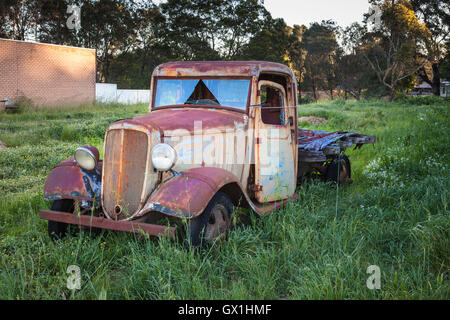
<point x="393" y="48"/>
<point x="322" y="49"/>
<point x="436" y="15"/>
<point x="212" y="29"/>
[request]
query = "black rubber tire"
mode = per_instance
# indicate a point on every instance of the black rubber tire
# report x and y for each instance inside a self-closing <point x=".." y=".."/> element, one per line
<point x="92" y="231"/>
<point x="58" y="230"/>
<point x="197" y="226"/>
<point x="333" y="168"/>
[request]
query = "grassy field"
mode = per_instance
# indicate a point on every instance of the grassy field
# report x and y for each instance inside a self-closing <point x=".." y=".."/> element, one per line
<point x="395" y="215"/>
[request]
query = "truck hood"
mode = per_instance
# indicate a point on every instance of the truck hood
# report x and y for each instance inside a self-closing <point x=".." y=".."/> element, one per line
<point x="173" y="122"/>
<point x="128" y="176"/>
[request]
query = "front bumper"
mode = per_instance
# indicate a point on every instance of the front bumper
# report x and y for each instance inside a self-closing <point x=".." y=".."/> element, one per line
<point x="104" y="223"/>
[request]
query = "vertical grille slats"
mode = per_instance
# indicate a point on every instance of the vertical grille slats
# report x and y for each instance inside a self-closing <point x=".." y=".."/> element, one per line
<point x="125" y="162"/>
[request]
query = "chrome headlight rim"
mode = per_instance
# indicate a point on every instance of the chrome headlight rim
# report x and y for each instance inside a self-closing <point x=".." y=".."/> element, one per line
<point x="171" y="155"/>
<point x="90" y="153"/>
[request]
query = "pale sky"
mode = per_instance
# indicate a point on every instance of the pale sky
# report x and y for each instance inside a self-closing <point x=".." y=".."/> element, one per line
<point x="344" y="12"/>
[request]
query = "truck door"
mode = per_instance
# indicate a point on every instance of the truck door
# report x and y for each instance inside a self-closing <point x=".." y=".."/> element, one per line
<point x="275" y="164"/>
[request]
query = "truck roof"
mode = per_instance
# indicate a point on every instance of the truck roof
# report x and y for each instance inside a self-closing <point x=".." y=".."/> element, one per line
<point x="220" y="68"/>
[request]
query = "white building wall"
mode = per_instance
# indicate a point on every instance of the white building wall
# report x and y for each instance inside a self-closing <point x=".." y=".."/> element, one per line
<point x="108" y="92"/>
<point x="105" y="92"/>
<point x="129" y="96"/>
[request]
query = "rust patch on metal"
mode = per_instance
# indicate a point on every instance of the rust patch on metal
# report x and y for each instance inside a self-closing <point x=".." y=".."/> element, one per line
<point x="219" y="68"/>
<point x="100" y="222"/>
<point x="126" y="153"/>
<point x="68" y="181"/>
<point x="166" y="120"/>
<point x="188" y="194"/>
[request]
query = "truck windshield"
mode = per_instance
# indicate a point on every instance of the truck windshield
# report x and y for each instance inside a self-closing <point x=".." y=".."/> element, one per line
<point x="216" y="92"/>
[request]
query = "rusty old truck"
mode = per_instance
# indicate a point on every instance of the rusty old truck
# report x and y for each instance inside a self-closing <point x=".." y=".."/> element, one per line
<point x="218" y="135"/>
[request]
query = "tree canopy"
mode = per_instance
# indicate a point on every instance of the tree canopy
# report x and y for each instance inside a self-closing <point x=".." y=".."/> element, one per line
<point x="132" y="37"/>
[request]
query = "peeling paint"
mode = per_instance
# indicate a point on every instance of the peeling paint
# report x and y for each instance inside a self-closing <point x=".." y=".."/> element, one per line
<point x="68" y="181"/>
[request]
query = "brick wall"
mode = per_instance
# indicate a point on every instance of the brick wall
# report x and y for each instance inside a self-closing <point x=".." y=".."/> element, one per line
<point x="49" y="75"/>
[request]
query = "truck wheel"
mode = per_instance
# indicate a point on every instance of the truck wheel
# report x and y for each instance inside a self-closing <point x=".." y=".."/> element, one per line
<point x="341" y="167"/>
<point x="213" y="223"/>
<point x="58" y="230"/>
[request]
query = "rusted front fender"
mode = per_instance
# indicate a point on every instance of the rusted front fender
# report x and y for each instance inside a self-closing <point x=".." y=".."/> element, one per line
<point x="68" y="181"/>
<point x="187" y="194"/>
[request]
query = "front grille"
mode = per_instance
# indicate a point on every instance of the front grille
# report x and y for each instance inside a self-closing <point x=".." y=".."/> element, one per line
<point x="125" y="162"/>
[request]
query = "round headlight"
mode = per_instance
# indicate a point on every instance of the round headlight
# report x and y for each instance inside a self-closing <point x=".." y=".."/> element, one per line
<point x="163" y="157"/>
<point x="87" y="157"/>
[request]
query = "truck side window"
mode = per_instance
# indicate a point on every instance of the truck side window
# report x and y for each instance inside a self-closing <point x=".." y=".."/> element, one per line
<point x="272" y="106"/>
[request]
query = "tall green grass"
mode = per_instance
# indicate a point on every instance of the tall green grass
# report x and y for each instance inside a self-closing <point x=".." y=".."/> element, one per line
<point x="395" y="215"/>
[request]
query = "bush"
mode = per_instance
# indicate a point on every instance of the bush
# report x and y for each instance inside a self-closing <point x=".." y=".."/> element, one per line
<point x="23" y="104"/>
<point x="419" y="100"/>
<point x="306" y="100"/>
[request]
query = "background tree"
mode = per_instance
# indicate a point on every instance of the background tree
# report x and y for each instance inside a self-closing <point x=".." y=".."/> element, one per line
<point x="320" y="44"/>
<point x="436" y="15"/>
<point x="133" y="68"/>
<point x="241" y="20"/>
<point x="445" y="65"/>
<point x="393" y="49"/>
<point x="4" y="6"/>
<point x="296" y="54"/>
<point x="192" y="28"/>
<point x="109" y="26"/>
<point x="132" y="37"/>
<point x="354" y="74"/>
<point x="213" y="29"/>
<point x="18" y="18"/>
<point x="269" y="44"/>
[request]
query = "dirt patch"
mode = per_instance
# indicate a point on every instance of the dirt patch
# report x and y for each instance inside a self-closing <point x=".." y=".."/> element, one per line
<point x="312" y="119"/>
<point x="2" y="145"/>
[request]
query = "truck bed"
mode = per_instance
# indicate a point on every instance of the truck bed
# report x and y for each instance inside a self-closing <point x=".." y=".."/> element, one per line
<point x="318" y="145"/>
